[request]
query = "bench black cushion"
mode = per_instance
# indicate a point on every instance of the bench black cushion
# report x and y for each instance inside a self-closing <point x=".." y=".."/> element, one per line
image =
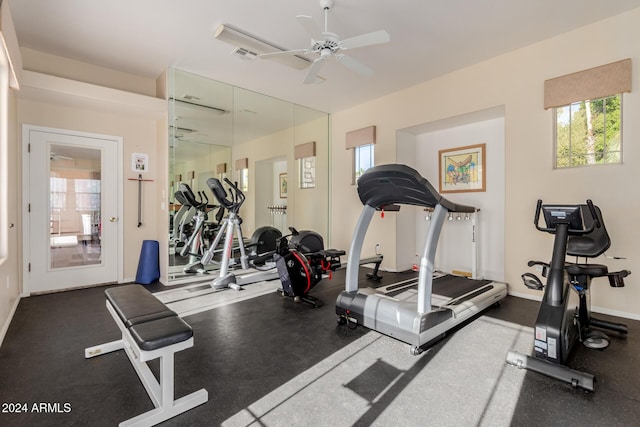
<point x="151" y="324"/>
<point x="161" y="333"/>
<point x="134" y="304"/>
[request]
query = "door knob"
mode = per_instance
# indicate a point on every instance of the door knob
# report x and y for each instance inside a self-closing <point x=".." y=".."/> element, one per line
<point x="113" y="219"/>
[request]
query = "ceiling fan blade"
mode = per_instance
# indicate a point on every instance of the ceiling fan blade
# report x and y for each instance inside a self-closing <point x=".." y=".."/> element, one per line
<point x="313" y="71"/>
<point x="310" y="26"/>
<point x="284" y="53"/>
<point x="354" y="65"/>
<point x="376" y="37"/>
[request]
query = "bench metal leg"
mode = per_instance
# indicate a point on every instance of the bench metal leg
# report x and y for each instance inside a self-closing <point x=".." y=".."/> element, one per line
<point x="109" y="347"/>
<point x="160" y="392"/>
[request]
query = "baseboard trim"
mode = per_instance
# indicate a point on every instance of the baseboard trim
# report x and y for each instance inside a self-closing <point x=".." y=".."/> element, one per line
<point x="594" y="309"/>
<point x="7" y="322"/>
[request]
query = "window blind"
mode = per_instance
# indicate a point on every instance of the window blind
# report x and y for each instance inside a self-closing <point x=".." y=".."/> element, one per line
<point x="359" y="137"/>
<point x="594" y="83"/>
<point x="304" y="150"/>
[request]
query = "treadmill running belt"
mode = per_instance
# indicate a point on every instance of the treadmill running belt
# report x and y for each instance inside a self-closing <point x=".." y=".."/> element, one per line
<point x="456" y="286"/>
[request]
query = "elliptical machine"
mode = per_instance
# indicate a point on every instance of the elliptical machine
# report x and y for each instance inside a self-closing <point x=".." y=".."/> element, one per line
<point x="302" y="262"/>
<point x="195" y="246"/>
<point x="230" y="226"/>
<point x="564" y="317"/>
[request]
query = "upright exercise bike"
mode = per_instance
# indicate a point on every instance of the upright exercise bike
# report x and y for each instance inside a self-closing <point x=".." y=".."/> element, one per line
<point x="564" y="317"/>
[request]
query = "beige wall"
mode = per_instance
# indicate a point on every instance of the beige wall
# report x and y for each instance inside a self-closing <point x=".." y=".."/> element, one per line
<point x="278" y="145"/>
<point x="515" y="81"/>
<point x="306" y="208"/>
<point x="82" y="72"/>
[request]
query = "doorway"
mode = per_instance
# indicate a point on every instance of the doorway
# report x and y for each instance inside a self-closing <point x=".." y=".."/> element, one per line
<point x="72" y="199"/>
<point x="271" y="202"/>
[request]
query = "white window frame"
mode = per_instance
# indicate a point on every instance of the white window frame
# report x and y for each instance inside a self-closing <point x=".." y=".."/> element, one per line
<point x="358" y="153"/>
<point x="571" y="164"/>
<point x="307" y="172"/>
<point x="243" y="179"/>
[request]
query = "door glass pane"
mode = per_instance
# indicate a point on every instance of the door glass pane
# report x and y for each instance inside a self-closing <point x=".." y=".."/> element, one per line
<point x="74" y="206"/>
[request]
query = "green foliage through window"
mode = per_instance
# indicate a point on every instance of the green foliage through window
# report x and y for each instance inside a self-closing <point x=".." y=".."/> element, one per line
<point x="363" y="160"/>
<point x="589" y="132"/>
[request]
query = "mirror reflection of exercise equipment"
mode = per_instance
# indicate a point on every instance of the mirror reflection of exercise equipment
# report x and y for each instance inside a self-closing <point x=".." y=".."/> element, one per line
<point x="198" y="238"/>
<point x="565" y="313"/>
<point x="214" y="126"/>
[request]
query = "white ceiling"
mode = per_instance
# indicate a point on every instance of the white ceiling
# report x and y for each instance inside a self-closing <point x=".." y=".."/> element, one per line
<point x="429" y="38"/>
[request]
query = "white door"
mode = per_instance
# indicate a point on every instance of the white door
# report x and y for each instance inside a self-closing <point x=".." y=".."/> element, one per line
<point x="72" y="205"/>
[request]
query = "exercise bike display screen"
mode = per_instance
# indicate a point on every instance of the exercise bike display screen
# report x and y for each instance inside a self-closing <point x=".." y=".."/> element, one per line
<point x="567" y="214"/>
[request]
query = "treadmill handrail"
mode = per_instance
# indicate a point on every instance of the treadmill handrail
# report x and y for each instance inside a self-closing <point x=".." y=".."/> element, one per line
<point x="400" y="184"/>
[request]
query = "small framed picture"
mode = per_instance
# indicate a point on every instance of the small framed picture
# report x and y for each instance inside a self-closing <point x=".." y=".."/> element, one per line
<point x="139" y="162"/>
<point x="283" y="185"/>
<point x="462" y="169"/>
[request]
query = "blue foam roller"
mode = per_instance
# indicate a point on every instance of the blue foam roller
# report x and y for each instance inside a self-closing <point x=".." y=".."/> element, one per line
<point x="149" y="264"/>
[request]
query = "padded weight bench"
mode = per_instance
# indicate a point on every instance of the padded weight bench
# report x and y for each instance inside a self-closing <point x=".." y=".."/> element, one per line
<point x="150" y="331"/>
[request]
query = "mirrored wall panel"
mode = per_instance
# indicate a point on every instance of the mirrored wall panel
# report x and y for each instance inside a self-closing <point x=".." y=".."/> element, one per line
<point x="276" y="152"/>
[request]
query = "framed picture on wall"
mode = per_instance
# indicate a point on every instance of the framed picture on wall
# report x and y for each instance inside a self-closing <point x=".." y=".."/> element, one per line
<point x="283" y="185"/>
<point x="463" y="169"/>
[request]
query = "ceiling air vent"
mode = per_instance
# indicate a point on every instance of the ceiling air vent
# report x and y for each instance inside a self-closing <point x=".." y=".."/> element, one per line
<point x="245" y="54"/>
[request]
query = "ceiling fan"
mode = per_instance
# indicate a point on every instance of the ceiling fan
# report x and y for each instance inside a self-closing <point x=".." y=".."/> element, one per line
<point x="327" y="44"/>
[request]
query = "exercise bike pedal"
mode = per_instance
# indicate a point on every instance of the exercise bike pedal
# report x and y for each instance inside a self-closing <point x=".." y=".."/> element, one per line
<point x="596" y="340"/>
<point x="532" y="281"/>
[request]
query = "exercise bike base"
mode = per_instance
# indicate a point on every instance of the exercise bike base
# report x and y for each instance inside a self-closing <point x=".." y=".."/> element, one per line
<point x="559" y="372"/>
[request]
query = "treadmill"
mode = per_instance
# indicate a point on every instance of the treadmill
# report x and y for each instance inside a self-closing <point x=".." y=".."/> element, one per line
<point x="440" y="303"/>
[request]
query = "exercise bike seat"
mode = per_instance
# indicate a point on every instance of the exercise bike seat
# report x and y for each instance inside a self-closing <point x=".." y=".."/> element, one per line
<point x="592" y="244"/>
<point x="591" y="270"/>
<point x="589" y="245"/>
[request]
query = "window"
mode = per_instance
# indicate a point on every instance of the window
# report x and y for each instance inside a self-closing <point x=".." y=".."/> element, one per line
<point x="243" y="179"/>
<point x="242" y="172"/>
<point x="308" y="172"/>
<point x="589" y="132"/>
<point x="588" y="114"/>
<point x="305" y="154"/>
<point x="361" y="141"/>
<point x="362" y="160"/>
<point x="58" y="193"/>
<point x="87" y="194"/>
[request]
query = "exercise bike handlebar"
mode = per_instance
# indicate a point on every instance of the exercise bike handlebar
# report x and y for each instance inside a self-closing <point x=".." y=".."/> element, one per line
<point x="232" y="200"/>
<point x="186" y="197"/>
<point x="572" y="231"/>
